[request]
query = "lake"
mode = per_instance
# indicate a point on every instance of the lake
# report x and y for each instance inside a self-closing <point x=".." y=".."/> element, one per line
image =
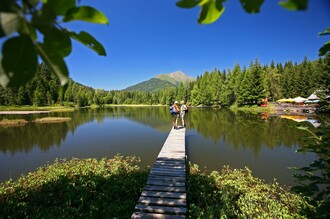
<point x="214" y="137"/>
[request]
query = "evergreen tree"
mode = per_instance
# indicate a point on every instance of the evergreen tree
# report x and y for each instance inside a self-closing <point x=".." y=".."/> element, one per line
<point x="181" y="92"/>
<point x="204" y="95"/>
<point x="305" y="78"/>
<point x="272" y="84"/>
<point x="216" y="85"/>
<point x="247" y="86"/>
<point x="231" y="86"/>
<point x="287" y="80"/>
<point x="194" y="95"/>
<point x="252" y="85"/>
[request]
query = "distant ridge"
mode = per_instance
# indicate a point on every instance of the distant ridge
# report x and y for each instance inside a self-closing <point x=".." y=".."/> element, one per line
<point x="151" y="85"/>
<point x="160" y="82"/>
<point x="175" y="77"/>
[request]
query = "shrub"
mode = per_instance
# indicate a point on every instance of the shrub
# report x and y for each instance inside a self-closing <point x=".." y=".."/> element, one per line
<point x="232" y="193"/>
<point x="84" y="188"/>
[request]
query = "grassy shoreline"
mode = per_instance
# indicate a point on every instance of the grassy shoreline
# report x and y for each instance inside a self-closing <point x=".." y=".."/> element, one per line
<point x="253" y="108"/>
<point x="19" y="122"/>
<point x="66" y="108"/>
<point x="36" y="108"/>
<point x="13" y="122"/>
<point x="109" y="188"/>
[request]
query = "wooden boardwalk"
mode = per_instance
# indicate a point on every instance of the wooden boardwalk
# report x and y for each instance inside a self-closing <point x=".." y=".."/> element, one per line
<point x="164" y="195"/>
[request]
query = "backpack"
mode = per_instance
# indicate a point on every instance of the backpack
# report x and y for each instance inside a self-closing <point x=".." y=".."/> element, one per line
<point x="172" y="110"/>
<point x="186" y="110"/>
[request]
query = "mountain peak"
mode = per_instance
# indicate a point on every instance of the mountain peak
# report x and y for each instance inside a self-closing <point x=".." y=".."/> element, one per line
<point x="175" y="77"/>
<point x="161" y="81"/>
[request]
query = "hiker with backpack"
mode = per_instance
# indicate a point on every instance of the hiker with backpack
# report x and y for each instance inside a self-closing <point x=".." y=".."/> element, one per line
<point x="183" y="111"/>
<point x="175" y="111"/>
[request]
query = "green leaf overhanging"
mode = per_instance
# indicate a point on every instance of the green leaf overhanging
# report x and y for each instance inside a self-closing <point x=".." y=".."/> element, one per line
<point x="325" y="32"/>
<point x="43" y="18"/>
<point x="85" y="13"/>
<point x="31" y="3"/>
<point x="211" y="11"/>
<point x="324" y="49"/>
<point x="89" y="41"/>
<point x="252" y="6"/>
<point x="19" y="62"/>
<point x="294" y="4"/>
<point x="57" y="40"/>
<point x="9" y="23"/>
<point x="55" y="63"/>
<point x="188" y="3"/>
<point x="28" y="29"/>
<point x="9" y="6"/>
<point x="60" y="7"/>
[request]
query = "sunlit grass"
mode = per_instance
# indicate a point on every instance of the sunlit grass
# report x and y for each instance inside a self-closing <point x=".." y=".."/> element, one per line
<point x="109" y="188"/>
<point x="78" y="188"/>
<point x="52" y="119"/>
<point x="235" y="193"/>
<point x="13" y="122"/>
<point x="38" y="108"/>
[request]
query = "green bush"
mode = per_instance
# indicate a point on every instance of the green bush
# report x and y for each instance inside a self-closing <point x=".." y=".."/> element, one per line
<point x="79" y="188"/>
<point x="232" y="193"/>
<point x="110" y="188"/>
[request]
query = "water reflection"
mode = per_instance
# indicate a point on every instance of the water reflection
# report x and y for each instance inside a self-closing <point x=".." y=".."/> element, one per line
<point x="264" y="143"/>
<point x="25" y="138"/>
<point x="244" y="130"/>
<point x="214" y="138"/>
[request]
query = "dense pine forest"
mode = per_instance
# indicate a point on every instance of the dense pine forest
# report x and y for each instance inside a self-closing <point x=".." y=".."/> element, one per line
<point x="239" y="86"/>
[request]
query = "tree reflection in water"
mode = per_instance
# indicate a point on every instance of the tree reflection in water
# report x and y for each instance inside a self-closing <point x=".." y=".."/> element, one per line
<point x="230" y="134"/>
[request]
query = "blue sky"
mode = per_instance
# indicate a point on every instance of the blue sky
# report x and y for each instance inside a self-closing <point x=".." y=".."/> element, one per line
<point x="148" y="37"/>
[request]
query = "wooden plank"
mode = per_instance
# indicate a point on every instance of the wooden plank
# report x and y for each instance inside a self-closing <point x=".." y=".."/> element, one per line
<point x="162" y="201"/>
<point x="180" y="195"/>
<point x="172" y="155"/>
<point x="161" y="209"/>
<point x="167" y="173"/>
<point x="178" y="158"/>
<point x="139" y="215"/>
<point x="170" y="165"/>
<point x="170" y="159"/>
<point x="164" y="188"/>
<point x="157" y="169"/>
<point x="169" y="152"/>
<point x="168" y="169"/>
<point x="165" y="167"/>
<point x="165" y="183"/>
<point x="167" y="178"/>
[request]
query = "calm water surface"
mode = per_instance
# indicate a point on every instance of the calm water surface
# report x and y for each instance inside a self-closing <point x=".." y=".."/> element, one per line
<point x="213" y="138"/>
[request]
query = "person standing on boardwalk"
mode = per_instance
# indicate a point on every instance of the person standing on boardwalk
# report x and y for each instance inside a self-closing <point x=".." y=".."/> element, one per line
<point x="183" y="110"/>
<point x="176" y="114"/>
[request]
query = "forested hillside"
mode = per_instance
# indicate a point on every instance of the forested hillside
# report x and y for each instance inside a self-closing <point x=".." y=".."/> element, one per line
<point x="151" y="85"/>
<point x="175" y="77"/>
<point x="161" y="82"/>
<point x="240" y="85"/>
